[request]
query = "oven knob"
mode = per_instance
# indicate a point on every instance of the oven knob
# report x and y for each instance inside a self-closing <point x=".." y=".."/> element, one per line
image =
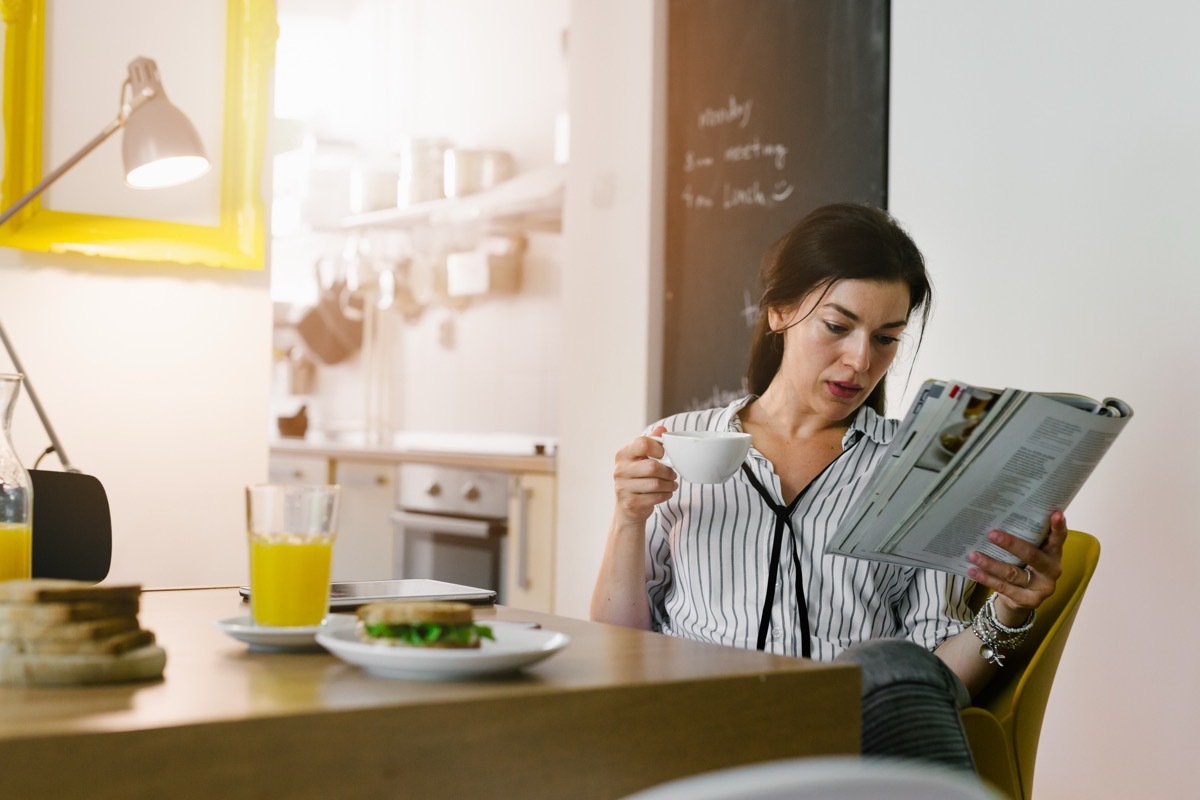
<point x="433" y="489"/>
<point x="470" y="492"/>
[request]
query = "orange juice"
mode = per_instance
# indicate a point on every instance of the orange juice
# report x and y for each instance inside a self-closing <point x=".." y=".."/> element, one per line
<point x="289" y="578"/>
<point x="16" y="550"/>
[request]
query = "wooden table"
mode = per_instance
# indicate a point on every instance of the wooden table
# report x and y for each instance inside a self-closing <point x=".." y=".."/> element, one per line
<point x="617" y="710"/>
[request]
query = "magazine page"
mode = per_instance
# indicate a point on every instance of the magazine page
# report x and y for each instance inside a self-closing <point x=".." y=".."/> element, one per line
<point x="929" y="407"/>
<point x="951" y="451"/>
<point x="1033" y="463"/>
<point x="940" y="420"/>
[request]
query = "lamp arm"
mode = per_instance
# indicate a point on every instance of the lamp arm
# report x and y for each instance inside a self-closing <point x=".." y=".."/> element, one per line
<point x="96" y="141"/>
<point x="37" y="404"/>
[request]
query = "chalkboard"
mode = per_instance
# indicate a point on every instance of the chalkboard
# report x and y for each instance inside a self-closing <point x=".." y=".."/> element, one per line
<point x="774" y="107"/>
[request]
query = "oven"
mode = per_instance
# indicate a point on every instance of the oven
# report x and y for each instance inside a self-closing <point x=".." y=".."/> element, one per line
<point x="450" y="524"/>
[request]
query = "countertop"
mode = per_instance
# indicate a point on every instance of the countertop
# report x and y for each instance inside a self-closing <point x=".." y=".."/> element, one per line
<point x="500" y="452"/>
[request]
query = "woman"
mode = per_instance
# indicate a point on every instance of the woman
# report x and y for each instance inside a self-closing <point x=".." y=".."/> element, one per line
<point x="744" y="563"/>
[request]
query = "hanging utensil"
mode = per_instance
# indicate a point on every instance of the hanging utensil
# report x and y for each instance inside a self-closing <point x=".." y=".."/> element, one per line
<point x="332" y="329"/>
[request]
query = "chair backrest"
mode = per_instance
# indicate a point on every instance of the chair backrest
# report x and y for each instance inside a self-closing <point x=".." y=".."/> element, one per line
<point x="1016" y="697"/>
<point x="72" y="527"/>
<point x="822" y="778"/>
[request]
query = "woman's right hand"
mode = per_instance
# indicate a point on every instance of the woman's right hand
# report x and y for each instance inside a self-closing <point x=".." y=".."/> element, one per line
<point x="641" y="482"/>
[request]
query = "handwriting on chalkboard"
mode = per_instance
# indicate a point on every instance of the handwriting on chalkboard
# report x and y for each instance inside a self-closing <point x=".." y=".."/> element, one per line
<point x="755" y="149"/>
<point x="722" y="193"/>
<point x="734" y="112"/>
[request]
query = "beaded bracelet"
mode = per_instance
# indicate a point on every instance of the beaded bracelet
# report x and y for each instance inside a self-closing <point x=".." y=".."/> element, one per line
<point x="1020" y="630"/>
<point x="988" y="629"/>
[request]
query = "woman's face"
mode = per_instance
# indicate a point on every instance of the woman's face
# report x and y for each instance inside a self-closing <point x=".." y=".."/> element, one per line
<point x="838" y="344"/>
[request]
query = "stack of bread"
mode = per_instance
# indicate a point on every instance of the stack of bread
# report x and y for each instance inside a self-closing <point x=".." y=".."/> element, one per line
<point x="65" y="632"/>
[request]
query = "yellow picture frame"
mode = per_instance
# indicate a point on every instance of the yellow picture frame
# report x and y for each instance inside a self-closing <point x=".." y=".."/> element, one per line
<point x="238" y="240"/>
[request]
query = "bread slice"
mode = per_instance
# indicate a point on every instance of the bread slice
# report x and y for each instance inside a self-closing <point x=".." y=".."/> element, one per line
<point x="84" y="630"/>
<point x="50" y="613"/>
<point x="121" y="642"/>
<point x="56" y="590"/>
<point x="144" y="663"/>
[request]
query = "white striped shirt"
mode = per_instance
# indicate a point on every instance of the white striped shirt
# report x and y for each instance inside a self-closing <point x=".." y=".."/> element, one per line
<point x="709" y="555"/>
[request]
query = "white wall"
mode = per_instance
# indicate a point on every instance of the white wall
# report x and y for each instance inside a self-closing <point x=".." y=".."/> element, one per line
<point x="612" y="281"/>
<point x="156" y="379"/>
<point x="1045" y="157"/>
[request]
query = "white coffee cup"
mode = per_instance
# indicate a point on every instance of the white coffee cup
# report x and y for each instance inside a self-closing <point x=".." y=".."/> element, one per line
<point x="705" y="456"/>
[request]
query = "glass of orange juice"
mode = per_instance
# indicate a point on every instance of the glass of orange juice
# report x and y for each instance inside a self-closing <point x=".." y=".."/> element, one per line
<point x="291" y="531"/>
<point x="16" y="550"/>
<point x="16" y="492"/>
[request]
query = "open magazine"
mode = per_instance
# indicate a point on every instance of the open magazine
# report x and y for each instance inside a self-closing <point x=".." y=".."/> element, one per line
<point x="966" y="460"/>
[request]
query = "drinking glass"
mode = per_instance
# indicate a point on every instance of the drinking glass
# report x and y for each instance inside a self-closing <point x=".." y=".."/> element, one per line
<point x="16" y="493"/>
<point x="291" y="531"/>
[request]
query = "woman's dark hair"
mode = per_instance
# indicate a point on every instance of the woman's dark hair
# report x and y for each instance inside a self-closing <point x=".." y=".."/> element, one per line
<point x="842" y="241"/>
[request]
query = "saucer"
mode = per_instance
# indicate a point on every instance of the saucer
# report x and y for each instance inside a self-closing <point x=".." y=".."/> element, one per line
<point x="276" y="639"/>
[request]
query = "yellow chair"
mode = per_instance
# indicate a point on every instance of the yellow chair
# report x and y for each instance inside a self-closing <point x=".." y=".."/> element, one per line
<point x="1005" y="723"/>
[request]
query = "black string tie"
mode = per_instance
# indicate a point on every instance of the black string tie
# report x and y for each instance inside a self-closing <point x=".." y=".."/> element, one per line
<point x="783" y="518"/>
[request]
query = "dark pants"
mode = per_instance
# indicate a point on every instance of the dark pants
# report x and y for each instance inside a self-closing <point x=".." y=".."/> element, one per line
<point x="910" y="704"/>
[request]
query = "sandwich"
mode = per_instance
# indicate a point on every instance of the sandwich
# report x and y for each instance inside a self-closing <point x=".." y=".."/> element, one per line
<point x="414" y="623"/>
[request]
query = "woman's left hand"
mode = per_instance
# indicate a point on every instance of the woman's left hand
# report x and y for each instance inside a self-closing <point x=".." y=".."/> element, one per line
<point x="1021" y="589"/>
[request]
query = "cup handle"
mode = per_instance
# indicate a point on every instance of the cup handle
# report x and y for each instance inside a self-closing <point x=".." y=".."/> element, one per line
<point x="665" y="459"/>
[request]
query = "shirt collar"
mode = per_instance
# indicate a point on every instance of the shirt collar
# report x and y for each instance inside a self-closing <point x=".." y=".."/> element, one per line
<point x="728" y="420"/>
<point x="867" y="423"/>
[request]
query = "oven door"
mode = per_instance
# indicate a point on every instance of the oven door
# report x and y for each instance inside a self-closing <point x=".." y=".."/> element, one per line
<point x="456" y="549"/>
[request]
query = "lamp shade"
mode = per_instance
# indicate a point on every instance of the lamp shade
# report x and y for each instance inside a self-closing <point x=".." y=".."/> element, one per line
<point x="160" y="146"/>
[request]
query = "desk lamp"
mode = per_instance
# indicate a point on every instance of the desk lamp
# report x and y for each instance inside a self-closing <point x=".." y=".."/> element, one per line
<point x="161" y="148"/>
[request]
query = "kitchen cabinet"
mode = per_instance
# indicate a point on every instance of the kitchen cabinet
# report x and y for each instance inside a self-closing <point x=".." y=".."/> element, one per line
<point x="363" y="550"/>
<point x="297" y="470"/>
<point x="364" y="547"/>
<point x="529" y="578"/>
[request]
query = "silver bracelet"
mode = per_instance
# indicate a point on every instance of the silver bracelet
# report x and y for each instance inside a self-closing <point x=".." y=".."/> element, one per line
<point x="995" y="635"/>
<point x="988" y="650"/>
<point x="1022" y="629"/>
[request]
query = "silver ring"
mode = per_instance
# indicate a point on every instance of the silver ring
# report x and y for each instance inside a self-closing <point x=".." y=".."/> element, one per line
<point x="1028" y="577"/>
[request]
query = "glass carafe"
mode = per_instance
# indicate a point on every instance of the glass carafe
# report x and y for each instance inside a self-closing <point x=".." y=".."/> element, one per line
<point x="16" y="494"/>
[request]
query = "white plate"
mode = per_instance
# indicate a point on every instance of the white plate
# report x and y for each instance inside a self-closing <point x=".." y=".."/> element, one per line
<point x="515" y="646"/>
<point x="270" y="638"/>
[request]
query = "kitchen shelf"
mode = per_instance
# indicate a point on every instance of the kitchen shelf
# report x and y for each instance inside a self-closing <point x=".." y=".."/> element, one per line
<point x="529" y="202"/>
